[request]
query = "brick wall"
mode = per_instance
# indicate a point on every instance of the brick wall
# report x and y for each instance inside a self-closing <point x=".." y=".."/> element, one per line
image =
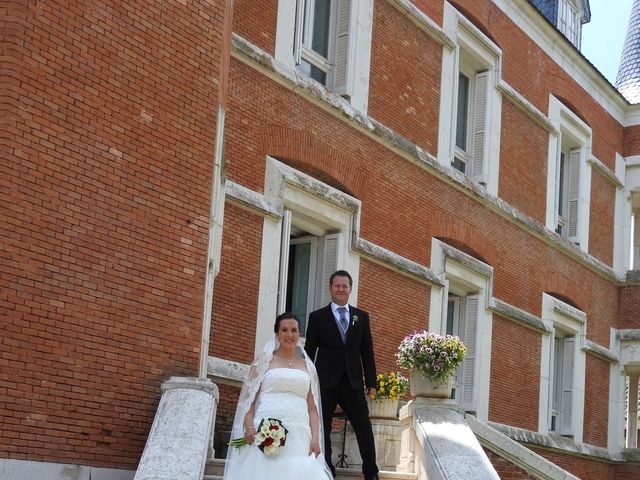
<point x="397" y="306"/>
<point x="513" y="399"/>
<point x="108" y="130"/>
<point x="631" y="141"/>
<point x="524" y="153"/>
<point x="404" y="99"/>
<point x="255" y="20"/>
<point x="629" y="306"/>
<point x="603" y="201"/>
<point x="505" y="469"/>
<point x="235" y="302"/>
<point x="596" y="414"/>
<point x="582" y="467"/>
<point x="107" y="147"/>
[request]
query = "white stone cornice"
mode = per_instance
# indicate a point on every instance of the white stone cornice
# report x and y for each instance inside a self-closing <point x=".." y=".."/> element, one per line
<point x="392" y="260"/>
<point x="520" y="316"/>
<point x="423" y="22"/>
<point x="527" y="107"/>
<point x="605" y="171"/>
<point x="248" y="199"/>
<point x="600" y="351"/>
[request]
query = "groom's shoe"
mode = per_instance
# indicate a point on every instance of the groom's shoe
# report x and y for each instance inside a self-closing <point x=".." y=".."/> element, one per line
<point x="371" y="476"/>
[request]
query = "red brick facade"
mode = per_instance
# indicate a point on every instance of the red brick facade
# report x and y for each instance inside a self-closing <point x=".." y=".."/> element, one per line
<point x="107" y="133"/>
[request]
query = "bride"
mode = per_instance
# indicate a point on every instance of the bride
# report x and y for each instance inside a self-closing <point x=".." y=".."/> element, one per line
<point x="282" y="384"/>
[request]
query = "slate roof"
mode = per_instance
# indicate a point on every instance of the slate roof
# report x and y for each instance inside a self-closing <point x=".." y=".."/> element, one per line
<point x="628" y="79"/>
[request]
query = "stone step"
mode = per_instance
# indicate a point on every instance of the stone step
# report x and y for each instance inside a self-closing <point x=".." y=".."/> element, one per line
<point x="215" y="468"/>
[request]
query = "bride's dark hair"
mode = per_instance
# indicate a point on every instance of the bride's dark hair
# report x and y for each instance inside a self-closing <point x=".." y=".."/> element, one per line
<point x="284" y="316"/>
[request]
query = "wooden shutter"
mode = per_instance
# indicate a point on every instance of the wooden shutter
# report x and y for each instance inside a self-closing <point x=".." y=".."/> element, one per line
<point x="573" y="195"/>
<point x="567" y="385"/>
<point x="285" y="236"/>
<point x="472" y="303"/>
<point x="328" y="265"/>
<point x="342" y="60"/>
<point x="479" y="154"/>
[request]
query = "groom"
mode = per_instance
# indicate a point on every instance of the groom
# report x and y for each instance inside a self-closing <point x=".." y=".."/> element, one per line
<point x="339" y="340"/>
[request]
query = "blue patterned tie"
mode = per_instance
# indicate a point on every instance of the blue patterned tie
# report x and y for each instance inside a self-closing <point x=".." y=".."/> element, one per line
<point x="344" y="323"/>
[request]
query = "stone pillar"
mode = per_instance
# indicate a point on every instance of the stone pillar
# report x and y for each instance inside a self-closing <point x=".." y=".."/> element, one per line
<point x="636" y="236"/>
<point x="632" y="410"/>
<point x="182" y="432"/>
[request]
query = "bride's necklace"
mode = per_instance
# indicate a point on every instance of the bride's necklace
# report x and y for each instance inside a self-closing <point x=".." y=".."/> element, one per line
<point x="289" y="362"/>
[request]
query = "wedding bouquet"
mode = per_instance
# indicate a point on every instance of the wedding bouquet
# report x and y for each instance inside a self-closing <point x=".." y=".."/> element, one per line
<point x="271" y="435"/>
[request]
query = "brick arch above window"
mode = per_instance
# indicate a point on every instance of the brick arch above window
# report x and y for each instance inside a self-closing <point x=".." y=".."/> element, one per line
<point x="567" y="290"/>
<point x="465" y="237"/>
<point x="313" y="156"/>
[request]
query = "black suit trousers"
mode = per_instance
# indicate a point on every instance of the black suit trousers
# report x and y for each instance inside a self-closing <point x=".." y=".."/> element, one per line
<point x="354" y="405"/>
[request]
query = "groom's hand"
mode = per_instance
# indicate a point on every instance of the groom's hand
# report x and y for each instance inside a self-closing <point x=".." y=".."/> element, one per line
<point x="371" y="392"/>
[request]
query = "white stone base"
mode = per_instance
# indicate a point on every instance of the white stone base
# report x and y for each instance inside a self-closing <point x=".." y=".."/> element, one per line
<point x="29" y="470"/>
<point x="386" y="434"/>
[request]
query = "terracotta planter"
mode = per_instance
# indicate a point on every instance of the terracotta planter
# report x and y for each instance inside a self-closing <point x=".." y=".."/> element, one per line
<point x="383" y="408"/>
<point x="421" y="386"/>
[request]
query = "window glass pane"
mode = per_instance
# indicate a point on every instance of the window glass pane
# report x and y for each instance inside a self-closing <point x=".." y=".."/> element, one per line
<point x="451" y="305"/>
<point x="313" y="72"/>
<point x="320" y="37"/>
<point x="459" y="164"/>
<point x="298" y="281"/>
<point x="463" y="110"/>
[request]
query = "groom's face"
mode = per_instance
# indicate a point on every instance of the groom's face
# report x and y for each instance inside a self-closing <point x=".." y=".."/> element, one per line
<point x="340" y="290"/>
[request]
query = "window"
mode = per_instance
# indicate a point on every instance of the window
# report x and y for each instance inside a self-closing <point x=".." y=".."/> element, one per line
<point x="322" y="41"/>
<point x="307" y="261"/>
<point x="569" y="181"/>
<point x="460" y="308"/>
<point x="471" y="105"/>
<point x="304" y="240"/>
<point x="568" y="185"/>
<point x="471" y="121"/>
<point x="569" y="21"/>
<point x="461" y="320"/>
<point x="562" y="383"/>
<point x="329" y="41"/>
<point x="563" y="366"/>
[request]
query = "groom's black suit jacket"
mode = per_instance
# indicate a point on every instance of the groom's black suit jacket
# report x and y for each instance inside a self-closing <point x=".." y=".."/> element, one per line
<point x="334" y="357"/>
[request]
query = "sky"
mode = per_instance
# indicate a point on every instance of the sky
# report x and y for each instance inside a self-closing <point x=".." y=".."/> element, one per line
<point x="603" y="37"/>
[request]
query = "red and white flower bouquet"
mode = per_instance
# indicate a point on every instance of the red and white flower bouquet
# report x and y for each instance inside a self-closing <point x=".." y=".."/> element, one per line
<point x="270" y="436"/>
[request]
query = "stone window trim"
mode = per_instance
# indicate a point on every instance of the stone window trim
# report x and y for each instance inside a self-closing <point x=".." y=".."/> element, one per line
<point x="563" y="321"/>
<point x="571" y="140"/>
<point x="478" y="58"/>
<point x="469" y="277"/>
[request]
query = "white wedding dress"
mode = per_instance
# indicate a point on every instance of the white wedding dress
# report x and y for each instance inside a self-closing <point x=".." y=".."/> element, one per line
<point x="283" y="395"/>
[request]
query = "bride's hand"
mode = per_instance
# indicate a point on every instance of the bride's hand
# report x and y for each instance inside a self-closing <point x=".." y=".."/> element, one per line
<point x="314" y="448"/>
<point x="250" y="435"/>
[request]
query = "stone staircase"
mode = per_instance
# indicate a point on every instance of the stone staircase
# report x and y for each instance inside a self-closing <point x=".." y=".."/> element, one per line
<point x="215" y="468"/>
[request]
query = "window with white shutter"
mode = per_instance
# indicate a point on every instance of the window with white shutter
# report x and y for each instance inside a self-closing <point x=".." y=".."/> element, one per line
<point x="563" y="366"/>
<point x="462" y="321"/>
<point x="568" y="193"/>
<point x="322" y="42"/>
<point x="569" y="175"/>
<point x="460" y="308"/>
<point x="471" y="124"/>
<point x="562" y="384"/>
<point x="306" y="263"/>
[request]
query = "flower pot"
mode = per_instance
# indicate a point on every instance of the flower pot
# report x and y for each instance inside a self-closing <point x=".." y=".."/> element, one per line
<point x="383" y="408"/>
<point x="421" y="386"/>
